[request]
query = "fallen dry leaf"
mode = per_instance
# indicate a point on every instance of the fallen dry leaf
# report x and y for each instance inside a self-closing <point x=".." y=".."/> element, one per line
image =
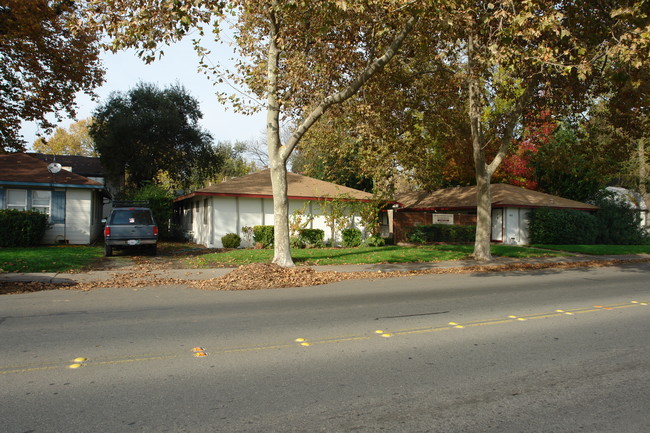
<point x="266" y="276"/>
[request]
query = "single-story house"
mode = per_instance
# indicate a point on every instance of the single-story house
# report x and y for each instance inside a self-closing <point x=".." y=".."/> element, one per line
<point x="86" y="166"/>
<point x="73" y="202"/>
<point x="511" y="206"/>
<point x="207" y="214"/>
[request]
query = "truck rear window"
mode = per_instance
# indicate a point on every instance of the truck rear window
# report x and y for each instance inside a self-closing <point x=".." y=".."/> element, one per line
<point x="128" y="217"/>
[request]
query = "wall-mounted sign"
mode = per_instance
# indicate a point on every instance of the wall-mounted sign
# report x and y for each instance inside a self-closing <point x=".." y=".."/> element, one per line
<point x="443" y="218"/>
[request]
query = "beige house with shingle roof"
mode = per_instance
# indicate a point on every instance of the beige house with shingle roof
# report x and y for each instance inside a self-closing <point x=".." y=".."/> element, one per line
<point x="209" y="213"/>
<point x="511" y="206"/>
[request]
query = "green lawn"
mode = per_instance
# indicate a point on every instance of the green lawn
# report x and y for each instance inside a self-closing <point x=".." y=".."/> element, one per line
<point x="363" y="255"/>
<point x="59" y="258"/>
<point x="62" y="258"/>
<point x="600" y="250"/>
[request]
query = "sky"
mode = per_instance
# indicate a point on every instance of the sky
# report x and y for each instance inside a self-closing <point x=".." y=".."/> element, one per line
<point x="179" y="65"/>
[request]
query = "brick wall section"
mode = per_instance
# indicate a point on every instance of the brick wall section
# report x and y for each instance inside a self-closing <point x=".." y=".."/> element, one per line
<point x="462" y="219"/>
<point x="404" y="221"/>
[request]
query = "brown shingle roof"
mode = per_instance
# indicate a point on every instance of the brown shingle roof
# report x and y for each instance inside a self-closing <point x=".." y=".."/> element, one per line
<point x="22" y="169"/>
<point x="300" y="187"/>
<point x="83" y="165"/>
<point x="503" y="195"/>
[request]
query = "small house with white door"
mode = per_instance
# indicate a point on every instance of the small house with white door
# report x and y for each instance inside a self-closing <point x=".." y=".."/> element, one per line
<point x="511" y="206"/>
<point x="72" y="202"/>
<point x="206" y="215"/>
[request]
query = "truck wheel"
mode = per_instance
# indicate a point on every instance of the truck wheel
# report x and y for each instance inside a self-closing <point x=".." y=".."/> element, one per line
<point x="108" y="251"/>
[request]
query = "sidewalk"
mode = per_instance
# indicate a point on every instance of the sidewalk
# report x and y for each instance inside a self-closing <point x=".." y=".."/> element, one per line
<point x="205" y="274"/>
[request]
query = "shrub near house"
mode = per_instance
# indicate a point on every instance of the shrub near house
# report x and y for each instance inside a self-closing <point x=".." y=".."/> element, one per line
<point x="618" y="223"/>
<point x="231" y="240"/>
<point x="562" y="227"/>
<point x="442" y="233"/>
<point x="352" y="237"/>
<point x="22" y="228"/>
<point x="613" y="224"/>
<point x="312" y="238"/>
<point x="263" y="235"/>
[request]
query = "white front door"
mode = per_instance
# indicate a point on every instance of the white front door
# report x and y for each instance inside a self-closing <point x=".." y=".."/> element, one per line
<point x="497" y="224"/>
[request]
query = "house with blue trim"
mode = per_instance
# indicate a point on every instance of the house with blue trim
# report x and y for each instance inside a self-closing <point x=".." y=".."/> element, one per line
<point x="73" y="202"/>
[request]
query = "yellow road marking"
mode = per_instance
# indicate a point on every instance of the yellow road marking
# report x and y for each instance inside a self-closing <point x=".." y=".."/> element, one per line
<point x="31" y="369"/>
<point x="199" y="351"/>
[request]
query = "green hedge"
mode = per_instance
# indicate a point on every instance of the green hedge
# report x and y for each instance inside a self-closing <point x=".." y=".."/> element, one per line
<point x="263" y="235"/>
<point x="352" y="237"/>
<point x="22" y="228"/>
<point x="442" y="233"/>
<point x="231" y="240"/>
<point x="312" y="237"/>
<point x="618" y="223"/>
<point x="562" y="227"/>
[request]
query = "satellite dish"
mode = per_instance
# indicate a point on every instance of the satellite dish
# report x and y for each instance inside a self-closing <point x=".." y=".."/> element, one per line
<point x="54" y="167"/>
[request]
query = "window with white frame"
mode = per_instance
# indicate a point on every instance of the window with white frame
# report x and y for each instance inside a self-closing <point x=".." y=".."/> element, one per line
<point x="17" y="199"/>
<point x="41" y="201"/>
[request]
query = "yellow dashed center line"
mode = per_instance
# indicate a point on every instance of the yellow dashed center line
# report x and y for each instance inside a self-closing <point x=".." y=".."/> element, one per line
<point x="301" y="341"/>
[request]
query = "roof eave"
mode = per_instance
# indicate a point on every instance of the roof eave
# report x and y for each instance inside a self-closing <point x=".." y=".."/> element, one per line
<point x="494" y="206"/>
<point x="50" y="185"/>
<point x="268" y="196"/>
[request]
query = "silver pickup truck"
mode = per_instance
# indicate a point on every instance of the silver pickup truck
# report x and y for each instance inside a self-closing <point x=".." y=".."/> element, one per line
<point x="130" y="227"/>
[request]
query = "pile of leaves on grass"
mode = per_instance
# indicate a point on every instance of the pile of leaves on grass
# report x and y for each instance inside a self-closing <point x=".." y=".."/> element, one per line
<point x="270" y="276"/>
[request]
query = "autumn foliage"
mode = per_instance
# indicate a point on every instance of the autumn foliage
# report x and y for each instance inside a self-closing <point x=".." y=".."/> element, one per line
<point x="518" y="168"/>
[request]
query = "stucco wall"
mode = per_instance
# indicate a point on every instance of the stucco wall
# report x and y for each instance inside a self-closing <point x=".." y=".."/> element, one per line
<point x="80" y="225"/>
<point x="230" y="214"/>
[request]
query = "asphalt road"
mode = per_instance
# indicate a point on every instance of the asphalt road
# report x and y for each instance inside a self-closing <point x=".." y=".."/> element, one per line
<point x="552" y="351"/>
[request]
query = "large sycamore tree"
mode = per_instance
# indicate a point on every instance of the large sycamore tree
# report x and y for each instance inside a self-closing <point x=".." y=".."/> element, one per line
<point x="299" y="58"/>
<point x="47" y="55"/>
<point x="504" y="59"/>
<point x="513" y="55"/>
<point x="468" y="76"/>
<point x="491" y="63"/>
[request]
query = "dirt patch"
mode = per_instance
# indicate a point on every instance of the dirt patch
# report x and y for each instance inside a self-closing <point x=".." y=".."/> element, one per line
<point x="169" y="256"/>
<point x="267" y="276"/>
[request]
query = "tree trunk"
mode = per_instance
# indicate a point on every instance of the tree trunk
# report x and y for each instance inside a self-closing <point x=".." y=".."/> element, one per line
<point x="643" y="172"/>
<point x="483" y="218"/>
<point x="277" y="157"/>
<point x="281" y="241"/>
<point x="483" y="175"/>
<point x="278" y="153"/>
<point x="484" y="171"/>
